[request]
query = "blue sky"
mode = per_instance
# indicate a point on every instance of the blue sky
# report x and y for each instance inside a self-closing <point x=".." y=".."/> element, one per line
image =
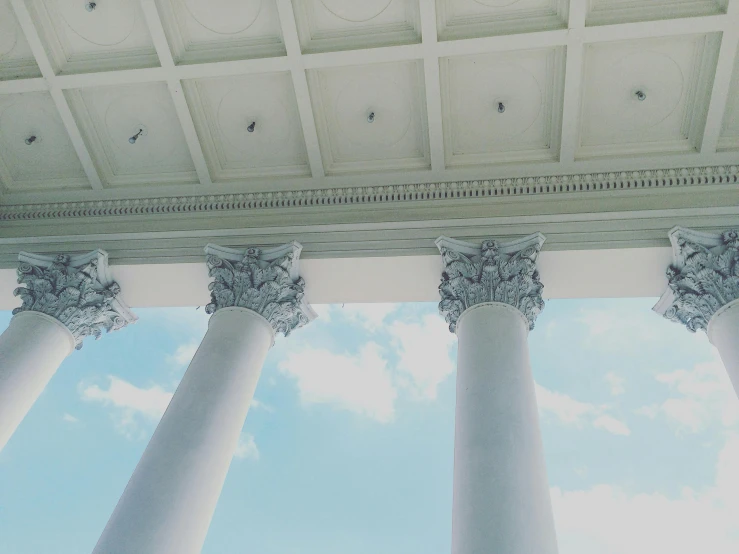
<point x="348" y="448"/>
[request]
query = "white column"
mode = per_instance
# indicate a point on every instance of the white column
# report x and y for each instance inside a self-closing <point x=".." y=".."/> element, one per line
<point x="169" y="501"/>
<point x="65" y="299"/>
<point x="31" y="350"/>
<point x="703" y="290"/>
<point x="491" y="297"/>
<point x="723" y="332"/>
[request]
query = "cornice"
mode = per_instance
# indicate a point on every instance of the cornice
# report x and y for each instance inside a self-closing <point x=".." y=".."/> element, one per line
<point x="430" y="192"/>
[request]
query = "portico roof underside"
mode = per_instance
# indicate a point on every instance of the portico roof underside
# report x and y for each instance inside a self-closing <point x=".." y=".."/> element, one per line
<point x="601" y="173"/>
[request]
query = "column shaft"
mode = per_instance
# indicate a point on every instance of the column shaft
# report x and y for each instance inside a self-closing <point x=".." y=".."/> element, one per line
<point x="170" y="499"/>
<point x="501" y="494"/>
<point x="31" y="350"/>
<point x="723" y="332"/>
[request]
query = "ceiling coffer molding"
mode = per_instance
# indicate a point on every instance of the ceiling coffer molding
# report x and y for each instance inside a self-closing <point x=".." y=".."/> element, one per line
<point x="523" y="186"/>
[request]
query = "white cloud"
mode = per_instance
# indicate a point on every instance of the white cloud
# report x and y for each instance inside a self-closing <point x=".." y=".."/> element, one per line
<point x="651" y="411"/>
<point x="369" y="316"/>
<point x="705" y="396"/>
<point x="616" y="383"/>
<point x="608" y="520"/>
<point x="323" y="311"/>
<point x="184" y="354"/>
<point x="564" y="407"/>
<point x="70" y="418"/>
<point x="612" y="425"/>
<point x="259" y="405"/>
<point x="247" y="448"/>
<point x="129" y="403"/>
<point x="627" y="330"/>
<point x="360" y="383"/>
<point x="191" y="321"/>
<point x="573" y="412"/>
<point x="424" y="353"/>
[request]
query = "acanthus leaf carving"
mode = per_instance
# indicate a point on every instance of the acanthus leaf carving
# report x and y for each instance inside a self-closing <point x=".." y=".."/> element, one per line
<point x="703" y="279"/>
<point x="266" y="282"/>
<point x="76" y="291"/>
<point x="493" y="272"/>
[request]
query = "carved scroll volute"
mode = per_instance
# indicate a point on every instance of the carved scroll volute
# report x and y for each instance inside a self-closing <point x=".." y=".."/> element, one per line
<point x="264" y="281"/>
<point x="75" y="290"/>
<point x="491" y="272"/>
<point x="703" y="278"/>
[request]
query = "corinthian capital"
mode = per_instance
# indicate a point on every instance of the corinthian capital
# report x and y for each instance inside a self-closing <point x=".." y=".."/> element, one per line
<point x="76" y="290"/>
<point x="704" y="277"/>
<point x="265" y="281"/>
<point x="493" y="272"/>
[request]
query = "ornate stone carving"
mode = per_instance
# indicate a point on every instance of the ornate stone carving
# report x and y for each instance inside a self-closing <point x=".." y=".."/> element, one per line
<point x="264" y="281"/>
<point x="75" y="290"/>
<point x="704" y="277"/>
<point x="361" y="197"/>
<point x="495" y="272"/>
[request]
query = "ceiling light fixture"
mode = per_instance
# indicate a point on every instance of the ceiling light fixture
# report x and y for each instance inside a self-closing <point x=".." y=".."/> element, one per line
<point x="371" y="117"/>
<point x="640" y="95"/>
<point x="30" y="140"/>
<point x="134" y="138"/>
<point x="252" y="126"/>
<point x="90" y="6"/>
<point x="501" y="107"/>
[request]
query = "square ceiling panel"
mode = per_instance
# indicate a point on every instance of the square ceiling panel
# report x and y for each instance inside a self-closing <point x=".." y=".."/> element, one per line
<point x="249" y="126"/>
<point x="646" y="97"/>
<point x="608" y="12"/>
<point x="501" y="108"/>
<point x="16" y="58"/>
<point x="79" y="38"/>
<point x="325" y="25"/>
<point x="133" y="134"/>
<point x="729" y="139"/>
<point x="456" y="19"/>
<point x="216" y="30"/>
<point x="35" y="149"/>
<point x="371" y="118"/>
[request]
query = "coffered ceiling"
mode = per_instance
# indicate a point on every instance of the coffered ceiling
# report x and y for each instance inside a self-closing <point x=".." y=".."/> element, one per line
<point x="141" y="98"/>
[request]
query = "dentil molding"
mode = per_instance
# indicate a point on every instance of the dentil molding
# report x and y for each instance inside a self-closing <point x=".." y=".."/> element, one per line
<point x="432" y="192"/>
<point x="704" y="277"/>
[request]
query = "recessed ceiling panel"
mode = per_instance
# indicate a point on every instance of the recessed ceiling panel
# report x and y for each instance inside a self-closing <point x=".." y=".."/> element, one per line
<point x="134" y="134"/>
<point x="608" y="12"/>
<point x="249" y="126"/>
<point x="215" y="30"/>
<point x="35" y="149"/>
<point x="82" y="36"/>
<point x="478" y="18"/>
<point x="16" y="58"/>
<point x="371" y="118"/>
<point x="502" y="108"/>
<point x="730" y="131"/>
<point x="646" y="97"/>
<point x="325" y="25"/>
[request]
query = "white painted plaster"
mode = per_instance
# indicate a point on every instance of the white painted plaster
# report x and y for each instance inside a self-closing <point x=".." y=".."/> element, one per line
<point x="617" y="273"/>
